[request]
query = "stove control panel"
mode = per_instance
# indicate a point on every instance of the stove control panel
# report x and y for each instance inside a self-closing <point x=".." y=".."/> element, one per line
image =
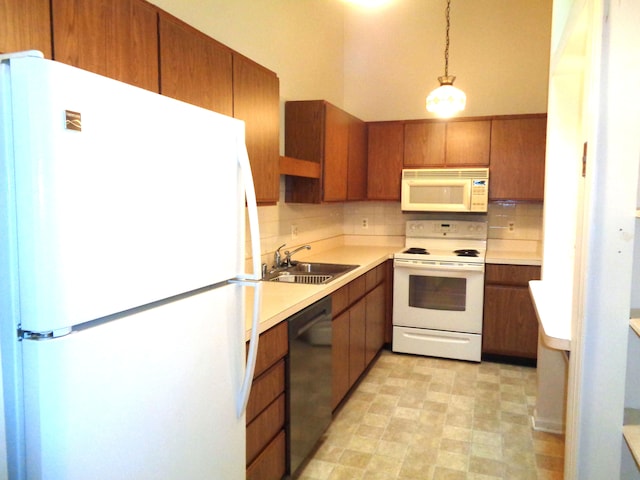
<point x="463" y="229"/>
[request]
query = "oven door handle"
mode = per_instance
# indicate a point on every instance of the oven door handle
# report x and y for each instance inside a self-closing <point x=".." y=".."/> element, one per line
<point x="441" y="266"/>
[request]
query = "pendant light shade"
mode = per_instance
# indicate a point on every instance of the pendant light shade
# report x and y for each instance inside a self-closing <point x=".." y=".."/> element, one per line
<point x="446" y="100"/>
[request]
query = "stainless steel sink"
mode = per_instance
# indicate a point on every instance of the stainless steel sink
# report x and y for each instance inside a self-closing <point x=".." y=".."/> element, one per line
<point x="309" y="273"/>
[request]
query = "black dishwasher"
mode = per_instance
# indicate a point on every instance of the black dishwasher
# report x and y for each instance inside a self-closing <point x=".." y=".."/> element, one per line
<point x="309" y="380"/>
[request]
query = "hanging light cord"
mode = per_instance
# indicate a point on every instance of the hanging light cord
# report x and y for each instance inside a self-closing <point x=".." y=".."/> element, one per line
<point x="446" y="45"/>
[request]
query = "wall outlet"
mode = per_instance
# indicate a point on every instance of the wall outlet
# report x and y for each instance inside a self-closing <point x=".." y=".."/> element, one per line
<point x="365" y="223"/>
<point x="294" y="231"/>
<point x="511" y="226"/>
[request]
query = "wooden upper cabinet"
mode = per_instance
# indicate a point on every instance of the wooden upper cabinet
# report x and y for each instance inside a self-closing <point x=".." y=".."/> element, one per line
<point x="195" y="68"/>
<point x="357" y="176"/>
<point x="256" y="100"/>
<point x="385" y="151"/>
<point x="446" y="144"/>
<point x="517" y="158"/>
<point x="336" y="154"/>
<point x="468" y="143"/>
<point x="320" y="132"/>
<point x="114" y="38"/>
<point x="424" y="144"/>
<point x="25" y="25"/>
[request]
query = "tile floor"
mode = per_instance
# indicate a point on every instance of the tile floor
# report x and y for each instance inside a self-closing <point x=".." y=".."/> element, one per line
<point x="423" y="418"/>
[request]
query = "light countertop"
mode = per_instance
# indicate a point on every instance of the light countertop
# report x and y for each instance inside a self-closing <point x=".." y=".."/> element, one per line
<point x="554" y="315"/>
<point x="281" y="300"/>
<point x="514" y="252"/>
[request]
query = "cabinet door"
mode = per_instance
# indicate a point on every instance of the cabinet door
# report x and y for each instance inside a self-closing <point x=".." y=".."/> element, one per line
<point x="357" y="175"/>
<point x="340" y="357"/>
<point x="468" y="143"/>
<point x="388" y="323"/>
<point x="195" y="68"/>
<point x="424" y="144"/>
<point x="336" y="147"/>
<point x="517" y="159"/>
<point x="25" y="25"/>
<point x="510" y="326"/>
<point x="256" y="100"/>
<point x="385" y="152"/>
<point x="114" y="38"/>
<point x="357" y="339"/>
<point x="375" y="324"/>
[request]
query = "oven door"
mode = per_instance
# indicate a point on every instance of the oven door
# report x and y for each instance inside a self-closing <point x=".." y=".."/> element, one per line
<point x="438" y="295"/>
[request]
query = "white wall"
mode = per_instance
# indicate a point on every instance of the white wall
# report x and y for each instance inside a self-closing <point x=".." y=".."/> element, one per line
<point x="499" y="52"/>
<point x="380" y="63"/>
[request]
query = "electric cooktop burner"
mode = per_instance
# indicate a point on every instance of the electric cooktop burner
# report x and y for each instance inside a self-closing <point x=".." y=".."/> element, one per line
<point x="417" y="250"/>
<point x="467" y="252"/>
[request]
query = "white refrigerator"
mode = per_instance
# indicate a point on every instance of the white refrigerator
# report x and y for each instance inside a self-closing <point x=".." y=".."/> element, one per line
<point x="122" y="251"/>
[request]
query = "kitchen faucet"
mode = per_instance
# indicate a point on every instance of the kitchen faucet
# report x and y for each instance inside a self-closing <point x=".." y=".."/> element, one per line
<point x="277" y="256"/>
<point x="287" y="255"/>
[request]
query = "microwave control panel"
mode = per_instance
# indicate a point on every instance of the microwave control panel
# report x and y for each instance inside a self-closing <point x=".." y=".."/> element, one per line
<point x="479" y="194"/>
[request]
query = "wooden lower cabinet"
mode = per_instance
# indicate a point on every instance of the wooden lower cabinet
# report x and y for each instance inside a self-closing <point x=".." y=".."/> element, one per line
<point x="375" y="322"/>
<point x="265" y="427"/>
<point x="271" y="463"/>
<point x="357" y="332"/>
<point x="340" y="357"/>
<point x="510" y="325"/>
<point x="266" y="409"/>
<point x="358" y="328"/>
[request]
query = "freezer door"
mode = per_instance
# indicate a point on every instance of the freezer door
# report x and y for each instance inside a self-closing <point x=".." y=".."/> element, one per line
<point x="123" y="197"/>
<point x="149" y="396"/>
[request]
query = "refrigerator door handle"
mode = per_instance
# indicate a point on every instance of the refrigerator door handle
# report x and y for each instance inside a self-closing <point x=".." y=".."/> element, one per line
<point x="245" y="389"/>
<point x="252" y="211"/>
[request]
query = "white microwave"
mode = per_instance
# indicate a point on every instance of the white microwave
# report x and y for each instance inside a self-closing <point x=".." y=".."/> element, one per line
<point x="445" y="190"/>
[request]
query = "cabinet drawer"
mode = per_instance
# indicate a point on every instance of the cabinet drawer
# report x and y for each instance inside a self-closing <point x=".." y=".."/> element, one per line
<point x="370" y="279"/>
<point x="270" y="464"/>
<point x="357" y="289"/>
<point x="375" y="276"/>
<point x="265" y="427"/>
<point x="511" y="274"/>
<point x="273" y="345"/>
<point x="265" y="389"/>
<point x="340" y="300"/>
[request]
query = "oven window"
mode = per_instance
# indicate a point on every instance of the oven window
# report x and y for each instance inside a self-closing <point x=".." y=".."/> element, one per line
<point x="437" y="293"/>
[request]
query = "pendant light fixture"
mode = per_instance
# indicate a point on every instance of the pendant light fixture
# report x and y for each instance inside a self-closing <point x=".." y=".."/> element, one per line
<point x="446" y="100"/>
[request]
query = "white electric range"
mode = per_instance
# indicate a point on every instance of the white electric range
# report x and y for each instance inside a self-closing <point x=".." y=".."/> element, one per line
<point x="439" y="289"/>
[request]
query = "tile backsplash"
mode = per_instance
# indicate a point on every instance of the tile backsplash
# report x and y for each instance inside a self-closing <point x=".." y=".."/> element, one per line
<point x="515" y="221"/>
<point x="298" y="224"/>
